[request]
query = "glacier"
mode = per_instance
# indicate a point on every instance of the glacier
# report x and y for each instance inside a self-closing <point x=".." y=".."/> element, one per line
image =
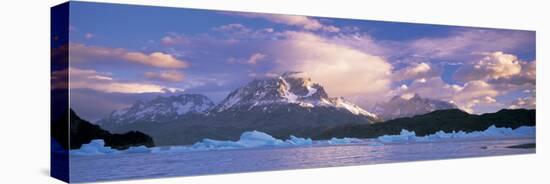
<point x="257" y="139"/>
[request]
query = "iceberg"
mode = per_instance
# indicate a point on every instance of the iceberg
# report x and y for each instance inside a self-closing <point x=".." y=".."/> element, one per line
<point x="257" y="139"/>
<point x="345" y="140"/>
<point x="139" y="149"/>
<point x="251" y="139"/>
<point x="298" y="141"/>
<point x="492" y="131"/>
<point x="95" y="147"/>
<point x="405" y="135"/>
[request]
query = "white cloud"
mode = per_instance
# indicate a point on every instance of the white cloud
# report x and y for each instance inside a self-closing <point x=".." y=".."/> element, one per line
<point x="255" y="58"/>
<point x="415" y="71"/>
<point x="156" y="59"/>
<point x="343" y="71"/>
<point x="79" y="52"/>
<point x="491" y="66"/>
<point x="524" y="103"/>
<point x="363" y="42"/>
<point x="173" y="39"/>
<point x="469" y="97"/>
<point x="91" y="79"/>
<point x="462" y="43"/>
<point x="89" y="36"/>
<point x="303" y="22"/>
<point x="527" y="76"/>
<point x="170" y="76"/>
<point x="233" y="28"/>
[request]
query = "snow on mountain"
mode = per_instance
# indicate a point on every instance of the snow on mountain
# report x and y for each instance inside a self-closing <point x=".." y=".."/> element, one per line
<point x="399" y="107"/>
<point x="161" y="109"/>
<point x="285" y="89"/>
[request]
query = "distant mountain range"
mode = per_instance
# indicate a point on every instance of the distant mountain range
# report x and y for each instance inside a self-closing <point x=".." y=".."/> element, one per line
<point x="291" y="105"/>
<point x="160" y="109"/>
<point x="440" y="120"/>
<point x="398" y="107"/>
<point x="280" y="106"/>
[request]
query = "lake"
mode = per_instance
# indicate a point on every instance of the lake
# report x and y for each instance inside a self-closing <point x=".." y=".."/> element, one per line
<point x="152" y="165"/>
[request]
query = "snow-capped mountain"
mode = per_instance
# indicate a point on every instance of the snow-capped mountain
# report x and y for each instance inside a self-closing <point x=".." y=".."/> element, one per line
<point x="399" y="107"/>
<point x="282" y="90"/>
<point x="160" y="109"/>
<point x="281" y="106"/>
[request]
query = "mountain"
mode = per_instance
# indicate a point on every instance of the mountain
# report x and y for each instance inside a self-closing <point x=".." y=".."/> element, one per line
<point x="281" y="106"/>
<point x="399" y="107"/>
<point x="286" y="89"/>
<point x="82" y="132"/>
<point x="440" y="120"/>
<point x="160" y="109"/>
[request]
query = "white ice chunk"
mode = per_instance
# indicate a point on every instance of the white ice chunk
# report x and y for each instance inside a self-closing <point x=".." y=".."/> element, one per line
<point x="345" y="140"/>
<point x="492" y="131"/>
<point x="95" y="147"/>
<point x="298" y="141"/>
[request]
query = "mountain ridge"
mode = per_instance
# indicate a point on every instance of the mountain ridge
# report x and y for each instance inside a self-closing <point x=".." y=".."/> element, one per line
<point x="440" y="120"/>
<point x="281" y="106"/>
<point x="399" y="106"/>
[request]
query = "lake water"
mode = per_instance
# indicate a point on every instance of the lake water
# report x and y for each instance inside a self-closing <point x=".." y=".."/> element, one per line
<point x="153" y="165"/>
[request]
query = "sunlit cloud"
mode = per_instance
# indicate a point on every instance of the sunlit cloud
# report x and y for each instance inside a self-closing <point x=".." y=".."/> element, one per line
<point x="170" y="76"/>
<point x="491" y="66"/>
<point x="304" y="22"/>
<point x="467" y="97"/>
<point x="81" y="52"/>
<point x="91" y="79"/>
<point x="343" y="71"/>
<point x="173" y="39"/>
<point x="415" y="71"/>
<point x="463" y="43"/>
<point x="89" y="36"/>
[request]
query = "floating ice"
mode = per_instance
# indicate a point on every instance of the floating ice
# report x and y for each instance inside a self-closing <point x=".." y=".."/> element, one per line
<point x="95" y="147"/>
<point x="492" y="131"/>
<point x="405" y="135"/>
<point x="297" y="141"/>
<point x="345" y="140"/>
<point x="257" y="139"/>
<point x="252" y="139"/>
<point x="139" y="149"/>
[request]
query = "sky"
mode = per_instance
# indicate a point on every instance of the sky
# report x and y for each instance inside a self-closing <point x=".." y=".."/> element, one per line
<point x="122" y="53"/>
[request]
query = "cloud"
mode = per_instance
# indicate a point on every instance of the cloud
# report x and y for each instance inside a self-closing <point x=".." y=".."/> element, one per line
<point x="505" y="72"/>
<point x="363" y="42"/>
<point x="255" y="58"/>
<point x="491" y="66"/>
<point x="91" y="79"/>
<point x="527" y="75"/>
<point x="89" y="36"/>
<point x="170" y="76"/>
<point x="523" y="103"/>
<point x="475" y="93"/>
<point x="343" y="71"/>
<point x="237" y="32"/>
<point x="173" y="39"/>
<point x="81" y="52"/>
<point x="469" y="97"/>
<point x="462" y="43"/>
<point x="304" y="22"/>
<point x="233" y="28"/>
<point x="415" y="71"/>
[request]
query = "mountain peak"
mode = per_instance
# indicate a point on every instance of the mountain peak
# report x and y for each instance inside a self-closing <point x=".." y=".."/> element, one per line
<point x="400" y="106"/>
<point x="161" y="108"/>
<point x="288" y="88"/>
